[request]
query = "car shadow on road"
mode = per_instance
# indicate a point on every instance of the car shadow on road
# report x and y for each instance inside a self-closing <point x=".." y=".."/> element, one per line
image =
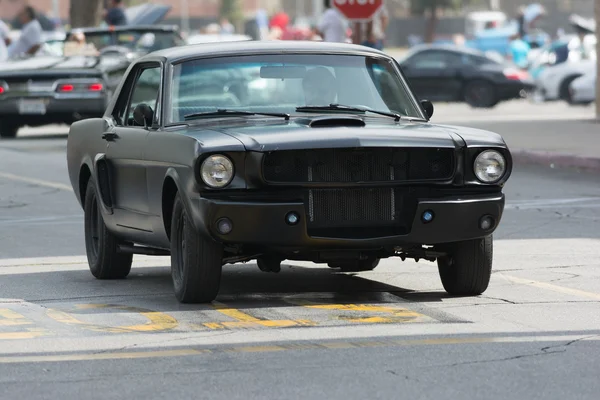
<point x="242" y="286"/>
<point x="36" y="137"/>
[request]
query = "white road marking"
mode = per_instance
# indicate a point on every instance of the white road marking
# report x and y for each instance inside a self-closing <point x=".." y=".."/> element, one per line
<point x="42" y="220"/>
<point x="34" y="181"/>
<point x="551" y="203"/>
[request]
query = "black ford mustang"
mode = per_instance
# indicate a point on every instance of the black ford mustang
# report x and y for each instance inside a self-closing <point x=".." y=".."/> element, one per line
<point x="338" y="163"/>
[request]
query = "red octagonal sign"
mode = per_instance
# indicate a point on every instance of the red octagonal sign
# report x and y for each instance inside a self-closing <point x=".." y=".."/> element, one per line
<point x="358" y="10"/>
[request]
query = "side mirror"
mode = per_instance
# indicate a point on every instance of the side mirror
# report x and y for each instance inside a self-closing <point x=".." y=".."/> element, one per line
<point x="427" y="107"/>
<point x="143" y="115"/>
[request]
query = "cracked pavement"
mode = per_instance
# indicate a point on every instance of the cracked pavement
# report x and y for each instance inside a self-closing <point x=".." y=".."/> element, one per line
<point x="307" y="332"/>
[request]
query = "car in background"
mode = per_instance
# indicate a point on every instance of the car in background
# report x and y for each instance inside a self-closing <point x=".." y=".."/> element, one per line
<point x="553" y="83"/>
<point x="582" y="90"/>
<point x="459" y="74"/>
<point x="66" y="87"/>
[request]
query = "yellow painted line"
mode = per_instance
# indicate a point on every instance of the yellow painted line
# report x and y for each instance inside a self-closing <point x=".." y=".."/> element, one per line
<point x="9" y="317"/>
<point x="101" y="356"/>
<point x="158" y="321"/>
<point x="554" y="288"/>
<point x="243" y="320"/>
<point x="34" y="181"/>
<point x="29" y="334"/>
<point x="395" y="315"/>
<point x="294" y="346"/>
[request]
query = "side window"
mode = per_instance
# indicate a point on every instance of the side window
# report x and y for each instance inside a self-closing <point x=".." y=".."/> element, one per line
<point x="145" y="90"/>
<point x="428" y="60"/>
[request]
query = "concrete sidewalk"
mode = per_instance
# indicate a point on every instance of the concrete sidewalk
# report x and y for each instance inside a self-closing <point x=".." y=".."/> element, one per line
<point x="558" y="143"/>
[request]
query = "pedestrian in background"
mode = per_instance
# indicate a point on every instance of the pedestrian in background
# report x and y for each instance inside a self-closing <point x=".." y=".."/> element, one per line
<point x="115" y="15"/>
<point x="518" y="51"/>
<point x="30" y="40"/>
<point x="4" y="41"/>
<point x="333" y="26"/>
<point x="376" y="29"/>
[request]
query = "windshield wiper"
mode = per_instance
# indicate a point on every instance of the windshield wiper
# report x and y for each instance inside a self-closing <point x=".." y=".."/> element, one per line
<point x="397" y="117"/>
<point x="233" y="113"/>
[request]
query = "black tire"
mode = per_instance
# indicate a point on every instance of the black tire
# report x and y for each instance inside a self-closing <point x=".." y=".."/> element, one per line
<point x="356" y="265"/>
<point x="196" y="261"/>
<point x="480" y="94"/>
<point x="104" y="260"/>
<point x="468" y="268"/>
<point x="8" y="130"/>
<point x="563" y="91"/>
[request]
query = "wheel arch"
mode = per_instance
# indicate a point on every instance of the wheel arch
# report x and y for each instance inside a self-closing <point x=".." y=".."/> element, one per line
<point x="172" y="185"/>
<point x="85" y="173"/>
<point x="563" y="87"/>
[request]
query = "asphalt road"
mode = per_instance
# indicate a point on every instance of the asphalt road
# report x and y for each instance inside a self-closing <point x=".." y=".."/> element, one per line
<point x="307" y="332"/>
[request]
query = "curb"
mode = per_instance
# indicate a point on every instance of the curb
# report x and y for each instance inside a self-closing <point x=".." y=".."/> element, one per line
<point x="555" y="160"/>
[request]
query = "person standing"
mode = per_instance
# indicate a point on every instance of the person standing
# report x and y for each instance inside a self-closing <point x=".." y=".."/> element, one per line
<point x="115" y="15"/>
<point x="30" y="40"/>
<point x="4" y="41"/>
<point x="518" y="51"/>
<point x="376" y="29"/>
<point x="333" y="26"/>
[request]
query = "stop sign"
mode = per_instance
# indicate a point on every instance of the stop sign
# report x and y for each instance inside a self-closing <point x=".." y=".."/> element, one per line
<point x="358" y="10"/>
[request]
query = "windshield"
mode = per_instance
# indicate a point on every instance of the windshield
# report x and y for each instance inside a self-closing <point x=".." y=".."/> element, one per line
<point x="282" y="83"/>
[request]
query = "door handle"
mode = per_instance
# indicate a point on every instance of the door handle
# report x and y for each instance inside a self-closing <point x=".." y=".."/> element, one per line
<point x="110" y="136"/>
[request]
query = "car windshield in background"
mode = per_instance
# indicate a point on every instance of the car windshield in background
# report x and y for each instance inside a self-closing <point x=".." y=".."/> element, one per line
<point x="288" y="84"/>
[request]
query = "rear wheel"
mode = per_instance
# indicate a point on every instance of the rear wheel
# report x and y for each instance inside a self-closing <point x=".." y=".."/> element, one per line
<point x="480" y="94"/>
<point x="104" y="260"/>
<point x="196" y="261"/>
<point x="563" y="92"/>
<point x="8" y="130"/>
<point x="467" y="269"/>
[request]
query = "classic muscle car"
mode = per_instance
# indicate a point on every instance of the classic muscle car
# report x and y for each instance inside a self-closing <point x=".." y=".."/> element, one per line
<point x="342" y="167"/>
<point x="64" y="88"/>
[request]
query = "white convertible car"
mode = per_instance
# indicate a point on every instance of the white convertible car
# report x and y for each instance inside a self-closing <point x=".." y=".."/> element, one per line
<point x="583" y="89"/>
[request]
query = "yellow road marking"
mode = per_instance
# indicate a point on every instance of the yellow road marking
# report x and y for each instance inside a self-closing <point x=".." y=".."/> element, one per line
<point x="29" y="334"/>
<point x="12" y="318"/>
<point x="555" y="288"/>
<point x="395" y="314"/>
<point x="34" y="181"/>
<point x="243" y="320"/>
<point x="534" y="338"/>
<point x="158" y="321"/>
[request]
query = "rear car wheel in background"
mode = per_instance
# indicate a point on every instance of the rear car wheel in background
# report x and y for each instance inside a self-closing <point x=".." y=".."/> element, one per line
<point x="467" y="269"/>
<point x="8" y="129"/>
<point x="564" y="92"/>
<point x="480" y="94"/>
<point x="104" y="258"/>
<point x="196" y="261"/>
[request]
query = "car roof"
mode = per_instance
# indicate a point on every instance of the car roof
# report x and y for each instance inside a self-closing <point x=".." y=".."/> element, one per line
<point x="448" y="47"/>
<point x="182" y="53"/>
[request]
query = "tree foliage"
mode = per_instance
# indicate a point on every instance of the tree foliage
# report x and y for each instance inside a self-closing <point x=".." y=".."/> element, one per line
<point x="232" y="10"/>
<point x="84" y="13"/>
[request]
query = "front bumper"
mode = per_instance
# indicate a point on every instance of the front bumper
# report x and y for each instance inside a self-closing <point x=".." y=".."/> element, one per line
<point x="264" y="224"/>
<point x="36" y="110"/>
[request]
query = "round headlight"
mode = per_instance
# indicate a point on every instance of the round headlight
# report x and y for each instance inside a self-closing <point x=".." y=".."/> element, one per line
<point x="217" y="171"/>
<point x="489" y="166"/>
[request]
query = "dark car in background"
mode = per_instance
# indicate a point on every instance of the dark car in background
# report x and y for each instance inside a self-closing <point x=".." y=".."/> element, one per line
<point x="65" y="88"/>
<point x="458" y="74"/>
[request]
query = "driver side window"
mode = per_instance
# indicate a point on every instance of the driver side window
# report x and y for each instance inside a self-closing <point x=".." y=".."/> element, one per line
<point x="145" y="90"/>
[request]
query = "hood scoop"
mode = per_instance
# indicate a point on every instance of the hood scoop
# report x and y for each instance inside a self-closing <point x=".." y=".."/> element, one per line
<point x="334" y="122"/>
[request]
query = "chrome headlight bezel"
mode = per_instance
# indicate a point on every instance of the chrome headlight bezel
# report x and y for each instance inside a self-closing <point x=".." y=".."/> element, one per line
<point x="208" y="171"/>
<point x="489" y="157"/>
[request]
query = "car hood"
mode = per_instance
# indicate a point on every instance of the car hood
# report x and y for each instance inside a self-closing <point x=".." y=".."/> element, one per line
<point x="299" y="134"/>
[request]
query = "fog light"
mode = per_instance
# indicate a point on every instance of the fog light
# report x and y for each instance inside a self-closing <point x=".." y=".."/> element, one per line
<point x="292" y="218"/>
<point x="486" y="223"/>
<point x="427" y="216"/>
<point x="224" y="226"/>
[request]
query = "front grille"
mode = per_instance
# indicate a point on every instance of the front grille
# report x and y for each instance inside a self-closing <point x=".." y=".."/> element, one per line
<point x="353" y="165"/>
<point x="359" y="212"/>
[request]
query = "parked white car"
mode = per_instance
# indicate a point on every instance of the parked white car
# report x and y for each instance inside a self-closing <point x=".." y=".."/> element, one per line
<point x="553" y="82"/>
<point x="583" y="89"/>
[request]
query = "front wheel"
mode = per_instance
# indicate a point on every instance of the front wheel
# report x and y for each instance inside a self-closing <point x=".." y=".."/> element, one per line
<point x="8" y="130"/>
<point x="467" y="269"/>
<point x="480" y="94"/>
<point x="196" y="261"/>
<point x="104" y="259"/>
